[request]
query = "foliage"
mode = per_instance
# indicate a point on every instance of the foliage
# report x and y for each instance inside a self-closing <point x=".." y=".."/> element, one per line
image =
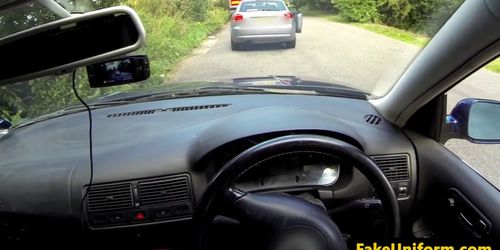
<point x="10" y="104"/>
<point x="220" y="4"/>
<point x="494" y="66"/>
<point x="421" y="16"/>
<point x="324" y="5"/>
<point x="32" y="14"/>
<point x="440" y="13"/>
<point x="171" y="36"/>
<point x="395" y="12"/>
<point x="174" y="28"/>
<point x="358" y="10"/>
<point x="424" y="16"/>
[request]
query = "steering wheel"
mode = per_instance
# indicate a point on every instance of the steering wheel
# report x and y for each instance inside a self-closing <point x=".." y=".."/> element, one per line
<point x="283" y="220"/>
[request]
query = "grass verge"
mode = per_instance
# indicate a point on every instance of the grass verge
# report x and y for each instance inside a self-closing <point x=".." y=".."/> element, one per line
<point x="171" y="38"/>
<point x="395" y="33"/>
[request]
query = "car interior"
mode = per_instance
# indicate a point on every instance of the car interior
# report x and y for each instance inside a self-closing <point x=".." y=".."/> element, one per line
<point x="249" y="170"/>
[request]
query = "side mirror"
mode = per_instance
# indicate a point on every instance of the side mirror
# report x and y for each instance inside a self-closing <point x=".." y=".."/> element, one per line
<point x="4" y="126"/>
<point x="475" y="120"/>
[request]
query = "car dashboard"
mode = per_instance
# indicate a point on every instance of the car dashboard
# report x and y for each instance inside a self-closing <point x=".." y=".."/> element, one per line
<point x="152" y="161"/>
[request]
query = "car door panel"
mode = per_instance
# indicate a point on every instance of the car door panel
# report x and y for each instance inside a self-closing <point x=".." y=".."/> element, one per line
<point x="299" y="20"/>
<point x="453" y="194"/>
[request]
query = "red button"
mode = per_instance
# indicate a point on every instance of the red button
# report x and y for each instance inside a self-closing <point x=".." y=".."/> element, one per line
<point x="140" y="216"/>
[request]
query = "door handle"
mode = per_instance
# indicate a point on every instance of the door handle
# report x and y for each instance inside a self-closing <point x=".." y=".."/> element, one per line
<point x="467" y="214"/>
<point x="478" y="227"/>
<point x="467" y="221"/>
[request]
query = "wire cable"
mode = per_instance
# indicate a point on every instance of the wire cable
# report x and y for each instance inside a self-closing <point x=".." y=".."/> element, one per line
<point x="91" y="152"/>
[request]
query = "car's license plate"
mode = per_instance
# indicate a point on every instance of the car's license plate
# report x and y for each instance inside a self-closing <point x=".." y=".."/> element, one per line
<point x="264" y="20"/>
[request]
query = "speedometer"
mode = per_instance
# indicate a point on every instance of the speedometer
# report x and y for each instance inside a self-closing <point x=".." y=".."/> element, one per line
<point x="321" y="174"/>
<point x="292" y="170"/>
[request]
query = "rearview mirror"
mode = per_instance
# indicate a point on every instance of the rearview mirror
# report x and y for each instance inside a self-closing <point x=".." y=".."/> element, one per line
<point x="476" y="120"/>
<point x="66" y="44"/>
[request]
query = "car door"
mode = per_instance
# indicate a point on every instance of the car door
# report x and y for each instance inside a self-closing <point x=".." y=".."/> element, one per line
<point x="454" y="199"/>
<point x="298" y="18"/>
<point x="299" y="21"/>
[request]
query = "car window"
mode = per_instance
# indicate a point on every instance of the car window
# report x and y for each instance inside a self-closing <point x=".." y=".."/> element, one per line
<point x="484" y="158"/>
<point x="331" y="43"/>
<point x="262" y="6"/>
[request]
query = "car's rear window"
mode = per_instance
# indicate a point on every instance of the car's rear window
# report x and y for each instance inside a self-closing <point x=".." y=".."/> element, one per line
<point x="262" y="6"/>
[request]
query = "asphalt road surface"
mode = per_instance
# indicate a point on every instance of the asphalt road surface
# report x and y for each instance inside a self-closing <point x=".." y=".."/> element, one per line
<point x="339" y="53"/>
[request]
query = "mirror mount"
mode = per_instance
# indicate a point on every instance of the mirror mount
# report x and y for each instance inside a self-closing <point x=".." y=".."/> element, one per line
<point x="475" y="120"/>
<point x="4" y="126"/>
<point x="451" y="129"/>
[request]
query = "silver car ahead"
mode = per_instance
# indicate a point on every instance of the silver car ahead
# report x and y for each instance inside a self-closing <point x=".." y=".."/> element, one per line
<point x="262" y="21"/>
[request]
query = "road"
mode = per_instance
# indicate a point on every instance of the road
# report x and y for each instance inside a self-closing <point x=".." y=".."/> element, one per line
<point x="340" y="53"/>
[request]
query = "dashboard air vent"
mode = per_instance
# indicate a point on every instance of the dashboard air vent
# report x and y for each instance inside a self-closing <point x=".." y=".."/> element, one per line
<point x="189" y="108"/>
<point x="373" y="119"/>
<point x="143" y="112"/>
<point x="110" y="197"/>
<point x="174" y="109"/>
<point x="395" y="167"/>
<point x="165" y="191"/>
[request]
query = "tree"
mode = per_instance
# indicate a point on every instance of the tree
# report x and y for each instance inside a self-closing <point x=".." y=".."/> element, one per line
<point x="358" y="10"/>
<point x="21" y="18"/>
<point x="11" y="105"/>
<point x="395" y="12"/>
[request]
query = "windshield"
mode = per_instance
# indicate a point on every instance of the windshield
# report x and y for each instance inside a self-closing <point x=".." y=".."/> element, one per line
<point x="23" y="17"/>
<point x="344" y="45"/>
<point x="262" y="6"/>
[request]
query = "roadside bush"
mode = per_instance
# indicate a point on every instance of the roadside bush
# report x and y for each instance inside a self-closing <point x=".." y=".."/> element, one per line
<point x="395" y="12"/>
<point x="439" y="14"/>
<point x="424" y="16"/>
<point x="324" y="5"/>
<point x="222" y="4"/>
<point x="358" y="10"/>
<point x="10" y="103"/>
<point x="189" y="9"/>
<point x="170" y="37"/>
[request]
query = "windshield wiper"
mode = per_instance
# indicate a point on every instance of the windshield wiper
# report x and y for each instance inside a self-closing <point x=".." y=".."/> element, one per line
<point x="283" y="81"/>
<point x="295" y="83"/>
<point x="231" y="89"/>
<point x="204" y="91"/>
<point x="334" y="90"/>
<point x="319" y="90"/>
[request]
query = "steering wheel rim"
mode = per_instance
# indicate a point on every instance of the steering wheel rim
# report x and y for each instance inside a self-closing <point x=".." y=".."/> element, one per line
<point x="221" y="185"/>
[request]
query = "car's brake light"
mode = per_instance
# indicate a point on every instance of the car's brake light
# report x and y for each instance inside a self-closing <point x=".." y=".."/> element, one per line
<point x="289" y="15"/>
<point x="238" y="18"/>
